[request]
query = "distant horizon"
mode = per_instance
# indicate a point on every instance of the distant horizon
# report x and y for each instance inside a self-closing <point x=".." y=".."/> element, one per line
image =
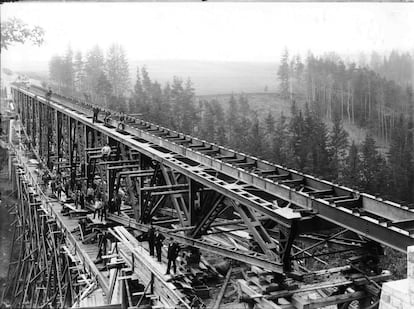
<point x="209" y="77"/>
<point x="347" y="57"/>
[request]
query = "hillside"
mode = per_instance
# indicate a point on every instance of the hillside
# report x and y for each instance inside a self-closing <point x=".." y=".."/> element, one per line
<point x="213" y="77"/>
<point x="271" y="102"/>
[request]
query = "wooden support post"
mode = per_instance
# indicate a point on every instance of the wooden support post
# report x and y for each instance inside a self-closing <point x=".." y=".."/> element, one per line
<point x="223" y="289"/>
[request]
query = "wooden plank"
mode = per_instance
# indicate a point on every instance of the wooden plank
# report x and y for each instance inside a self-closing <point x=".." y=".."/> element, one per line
<point x="301" y="303"/>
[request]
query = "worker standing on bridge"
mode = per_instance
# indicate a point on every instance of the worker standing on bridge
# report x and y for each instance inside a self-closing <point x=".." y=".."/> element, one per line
<point x="76" y="194"/>
<point x="81" y="199"/>
<point x="151" y="239"/>
<point x="59" y="190"/>
<point x="158" y="239"/>
<point x="53" y="185"/>
<point x="118" y="202"/>
<point x="95" y="114"/>
<point x="107" y="117"/>
<point x="106" y="152"/>
<point x="97" y="208"/>
<point x="49" y="94"/>
<point x="90" y="192"/>
<point x="104" y="208"/>
<point x="121" y="124"/>
<point x="172" y="254"/>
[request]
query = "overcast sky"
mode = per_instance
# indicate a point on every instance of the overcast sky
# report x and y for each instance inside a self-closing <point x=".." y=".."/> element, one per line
<point x="213" y="31"/>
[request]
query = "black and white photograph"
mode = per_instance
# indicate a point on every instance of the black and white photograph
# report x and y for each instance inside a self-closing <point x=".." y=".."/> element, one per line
<point x="207" y="155"/>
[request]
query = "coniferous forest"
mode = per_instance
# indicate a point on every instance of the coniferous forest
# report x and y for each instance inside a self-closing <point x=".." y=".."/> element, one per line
<point x="323" y="93"/>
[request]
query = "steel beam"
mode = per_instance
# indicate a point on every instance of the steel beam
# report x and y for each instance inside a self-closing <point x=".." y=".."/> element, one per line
<point x="342" y="216"/>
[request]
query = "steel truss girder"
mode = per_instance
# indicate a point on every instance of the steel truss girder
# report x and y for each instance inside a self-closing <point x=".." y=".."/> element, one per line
<point x="337" y="212"/>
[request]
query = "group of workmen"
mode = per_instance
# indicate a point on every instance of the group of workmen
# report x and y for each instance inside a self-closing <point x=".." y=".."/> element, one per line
<point x="155" y="241"/>
<point x="122" y="118"/>
<point x="60" y="183"/>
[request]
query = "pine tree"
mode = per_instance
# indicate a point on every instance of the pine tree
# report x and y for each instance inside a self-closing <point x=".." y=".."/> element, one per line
<point x="298" y="141"/>
<point x="337" y="148"/>
<point x="137" y="95"/>
<point x="244" y="105"/>
<point x="79" y="72"/>
<point x="314" y="145"/>
<point x="352" y="172"/>
<point x="269" y="123"/>
<point x="166" y="98"/>
<point x="158" y="113"/>
<point x="176" y="96"/>
<point x="373" y="168"/>
<point x="232" y="119"/>
<point x="69" y="70"/>
<point x="103" y="88"/>
<point x="190" y="115"/>
<point x="56" y="71"/>
<point x="208" y="122"/>
<point x="94" y="67"/>
<point x="284" y="76"/>
<point x="401" y="160"/>
<point x="117" y="70"/>
<point x="255" y="142"/>
<point x="282" y="145"/>
<point x="299" y="69"/>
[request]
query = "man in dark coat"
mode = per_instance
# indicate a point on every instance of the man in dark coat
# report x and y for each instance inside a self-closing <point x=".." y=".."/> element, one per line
<point x="173" y="249"/>
<point x="49" y="94"/>
<point x="95" y="114"/>
<point x="81" y="199"/>
<point x="159" y="238"/>
<point x="151" y="240"/>
<point x="118" y="202"/>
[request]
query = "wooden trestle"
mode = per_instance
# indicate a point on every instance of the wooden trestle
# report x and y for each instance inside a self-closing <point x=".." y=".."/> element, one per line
<point x="281" y="222"/>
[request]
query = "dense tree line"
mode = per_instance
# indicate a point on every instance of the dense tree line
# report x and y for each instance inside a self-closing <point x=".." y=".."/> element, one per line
<point x="397" y="67"/>
<point x="104" y="79"/>
<point x="370" y="98"/>
<point x="302" y="141"/>
<point x="171" y="106"/>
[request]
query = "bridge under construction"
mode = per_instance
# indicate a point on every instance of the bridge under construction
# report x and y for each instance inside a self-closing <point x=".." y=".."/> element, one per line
<point x="251" y="233"/>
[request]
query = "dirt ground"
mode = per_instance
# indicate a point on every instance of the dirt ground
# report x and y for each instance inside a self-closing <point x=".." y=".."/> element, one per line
<point x="6" y="232"/>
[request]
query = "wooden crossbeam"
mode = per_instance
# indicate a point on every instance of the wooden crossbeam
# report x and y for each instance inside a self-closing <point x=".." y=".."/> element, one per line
<point x="123" y="166"/>
<point x="169" y="192"/>
<point x="117" y="162"/>
<point x="141" y="173"/>
<point x="156" y="188"/>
